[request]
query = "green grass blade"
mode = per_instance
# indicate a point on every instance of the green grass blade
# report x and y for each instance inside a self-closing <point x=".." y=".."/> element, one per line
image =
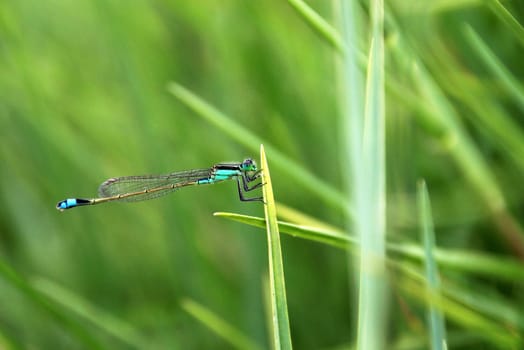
<point x="446" y="5"/>
<point x="492" y="309"/>
<point x="469" y="159"/>
<point x="295" y="216"/>
<point x="299" y="174"/>
<point x="351" y="92"/>
<point x="491" y="331"/>
<point x="487" y="303"/>
<point x="490" y="117"/>
<point x="266" y="298"/>
<point x="8" y="343"/>
<point x="44" y="302"/>
<point x="507" y="18"/>
<point x="442" y="119"/>
<point x="501" y="73"/>
<point x="435" y="317"/>
<point x="318" y="23"/>
<point x="281" y="332"/>
<point x="461" y="146"/>
<point x="222" y="328"/>
<point x="370" y="223"/>
<point x="499" y="267"/>
<point x="103" y="320"/>
<point x="462" y="312"/>
<point x="336" y="239"/>
<point x="480" y="264"/>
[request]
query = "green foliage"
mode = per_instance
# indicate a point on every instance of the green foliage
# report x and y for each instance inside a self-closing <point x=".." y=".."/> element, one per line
<point x="84" y="98"/>
<point x="219" y="326"/>
<point x="277" y="285"/>
<point x="435" y="317"/>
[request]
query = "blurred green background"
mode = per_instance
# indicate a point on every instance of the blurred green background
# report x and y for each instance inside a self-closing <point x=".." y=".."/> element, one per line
<point x="83" y="98"/>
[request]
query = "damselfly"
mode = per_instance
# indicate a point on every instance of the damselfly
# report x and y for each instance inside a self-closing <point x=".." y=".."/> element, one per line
<point x="140" y="188"/>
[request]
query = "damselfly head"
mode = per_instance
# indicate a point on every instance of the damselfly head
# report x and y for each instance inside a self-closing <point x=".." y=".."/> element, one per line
<point x="248" y="165"/>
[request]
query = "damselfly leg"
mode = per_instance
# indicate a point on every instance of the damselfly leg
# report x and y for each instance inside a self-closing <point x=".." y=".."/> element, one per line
<point x="246" y="186"/>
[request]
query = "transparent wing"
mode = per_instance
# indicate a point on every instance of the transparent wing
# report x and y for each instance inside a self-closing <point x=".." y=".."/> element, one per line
<point x="158" y="185"/>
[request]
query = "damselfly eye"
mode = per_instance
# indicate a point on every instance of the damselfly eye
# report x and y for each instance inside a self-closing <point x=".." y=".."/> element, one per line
<point x="249" y="165"/>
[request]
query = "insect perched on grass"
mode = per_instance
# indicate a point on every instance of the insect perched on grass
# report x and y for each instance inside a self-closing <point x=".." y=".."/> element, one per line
<point x="143" y="187"/>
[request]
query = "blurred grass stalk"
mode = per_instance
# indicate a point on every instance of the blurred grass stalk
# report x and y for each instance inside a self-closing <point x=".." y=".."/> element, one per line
<point x="435" y="315"/>
<point x="496" y="267"/>
<point x="222" y="328"/>
<point x="252" y="141"/>
<point x="48" y="304"/>
<point x="442" y="119"/>
<point x="507" y="18"/>
<point x="468" y="158"/>
<point x="364" y="128"/>
<point x="84" y="309"/>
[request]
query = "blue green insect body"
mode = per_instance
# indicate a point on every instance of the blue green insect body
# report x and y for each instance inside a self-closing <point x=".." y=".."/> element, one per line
<point x="139" y="188"/>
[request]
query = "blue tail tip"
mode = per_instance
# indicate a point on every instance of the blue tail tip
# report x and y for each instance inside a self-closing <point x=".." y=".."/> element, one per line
<point x="66" y="204"/>
<point x="73" y="202"/>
